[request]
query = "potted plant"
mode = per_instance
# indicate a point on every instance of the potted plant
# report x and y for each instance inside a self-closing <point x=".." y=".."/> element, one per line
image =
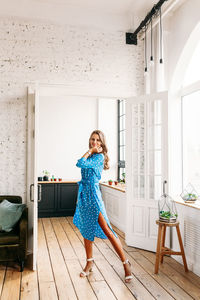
<point x="46" y="175"/>
<point x="168" y="216"/>
<point x="190" y="197"/>
<point x="189" y="194"/>
<point x="116" y="182"/>
<point x="123" y="175"/>
<point x="110" y="182"/>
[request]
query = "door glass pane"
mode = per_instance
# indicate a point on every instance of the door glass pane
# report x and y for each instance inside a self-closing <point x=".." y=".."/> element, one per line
<point x="142" y="187"/>
<point x="142" y="114"/>
<point x="158" y="188"/>
<point x="121" y="107"/>
<point x="151" y="138"/>
<point x="158" y="162"/>
<point x="135" y="163"/>
<point x="151" y="187"/>
<point x="155" y="112"/>
<point x="122" y="152"/>
<point x="122" y="122"/>
<point x="124" y="149"/>
<point x="121" y="171"/>
<point x="151" y="162"/>
<point x="157" y="116"/>
<point x="155" y="187"/>
<point x="157" y="139"/>
<point x="142" y="138"/>
<point x="155" y="162"/>
<point x="122" y="137"/>
<point x="135" y="138"/>
<point x="151" y="113"/>
<point x="141" y="162"/>
<point x="135" y="187"/>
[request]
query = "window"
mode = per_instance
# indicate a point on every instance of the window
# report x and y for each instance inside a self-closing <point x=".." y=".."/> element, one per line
<point x="191" y="139"/>
<point x="190" y="122"/>
<point x="121" y="138"/>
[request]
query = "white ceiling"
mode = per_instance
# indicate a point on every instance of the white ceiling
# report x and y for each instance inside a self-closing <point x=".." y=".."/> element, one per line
<point x="107" y="14"/>
<point x="106" y="6"/>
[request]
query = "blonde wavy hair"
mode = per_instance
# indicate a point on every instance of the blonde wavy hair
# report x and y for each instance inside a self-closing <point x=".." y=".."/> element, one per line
<point x="103" y="145"/>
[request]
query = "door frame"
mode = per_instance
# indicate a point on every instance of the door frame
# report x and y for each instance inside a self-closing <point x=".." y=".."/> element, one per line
<point x="32" y="186"/>
<point x="34" y="92"/>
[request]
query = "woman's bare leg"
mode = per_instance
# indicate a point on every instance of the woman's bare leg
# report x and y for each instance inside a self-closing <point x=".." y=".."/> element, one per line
<point x="89" y="254"/>
<point x="115" y="242"/>
<point x="88" y="248"/>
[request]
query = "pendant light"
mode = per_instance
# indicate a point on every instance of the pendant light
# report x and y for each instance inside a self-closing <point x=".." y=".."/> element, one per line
<point x="145" y="50"/>
<point x="161" y="40"/>
<point x="151" y="56"/>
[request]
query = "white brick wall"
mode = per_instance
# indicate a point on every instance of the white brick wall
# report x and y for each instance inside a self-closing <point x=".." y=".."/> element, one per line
<point x="51" y="53"/>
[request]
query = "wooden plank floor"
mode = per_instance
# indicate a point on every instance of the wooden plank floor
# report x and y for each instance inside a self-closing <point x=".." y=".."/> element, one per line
<point x="61" y="256"/>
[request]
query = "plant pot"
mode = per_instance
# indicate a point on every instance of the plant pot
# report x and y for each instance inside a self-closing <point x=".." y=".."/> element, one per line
<point x="45" y="178"/>
<point x="116" y="182"/>
<point x="110" y="182"/>
<point x="169" y="220"/>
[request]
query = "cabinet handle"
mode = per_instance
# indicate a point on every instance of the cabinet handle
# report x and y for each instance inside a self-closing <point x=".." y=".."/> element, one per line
<point x="39" y="192"/>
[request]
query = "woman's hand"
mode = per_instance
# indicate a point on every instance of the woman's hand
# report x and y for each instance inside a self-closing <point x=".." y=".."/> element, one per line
<point x="96" y="149"/>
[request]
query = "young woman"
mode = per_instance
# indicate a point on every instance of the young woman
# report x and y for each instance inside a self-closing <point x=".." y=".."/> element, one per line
<point x="90" y="215"/>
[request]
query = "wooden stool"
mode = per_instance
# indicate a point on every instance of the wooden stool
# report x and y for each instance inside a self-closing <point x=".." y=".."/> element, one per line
<point x="162" y="250"/>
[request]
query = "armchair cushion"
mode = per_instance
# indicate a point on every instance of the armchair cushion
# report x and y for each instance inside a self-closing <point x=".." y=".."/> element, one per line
<point x="10" y="213"/>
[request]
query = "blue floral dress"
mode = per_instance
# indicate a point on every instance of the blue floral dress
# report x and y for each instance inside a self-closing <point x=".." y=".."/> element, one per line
<point x="89" y="202"/>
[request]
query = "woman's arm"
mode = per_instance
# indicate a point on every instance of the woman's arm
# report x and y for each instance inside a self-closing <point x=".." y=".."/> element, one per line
<point x="97" y="160"/>
<point x="92" y="151"/>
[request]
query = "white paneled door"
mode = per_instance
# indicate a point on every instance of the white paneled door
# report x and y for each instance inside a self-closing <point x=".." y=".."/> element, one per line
<point x="146" y="166"/>
<point x="32" y="185"/>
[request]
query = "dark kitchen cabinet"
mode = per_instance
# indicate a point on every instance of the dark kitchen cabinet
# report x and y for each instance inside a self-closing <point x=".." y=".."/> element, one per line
<point x="58" y="199"/>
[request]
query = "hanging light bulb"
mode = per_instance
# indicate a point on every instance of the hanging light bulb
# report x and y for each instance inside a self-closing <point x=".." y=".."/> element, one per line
<point x="151" y="57"/>
<point x="161" y="41"/>
<point x="145" y="51"/>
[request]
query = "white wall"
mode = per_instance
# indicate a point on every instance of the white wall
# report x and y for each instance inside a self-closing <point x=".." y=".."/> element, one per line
<point x="64" y="127"/>
<point x="65" y="124"/>
<point x="182" y="23"/>
<point x="107" y="122"/>
<point x="96" y="60"/>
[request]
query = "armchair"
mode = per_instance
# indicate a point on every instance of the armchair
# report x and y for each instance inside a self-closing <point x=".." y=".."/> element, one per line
<point x="13" y="244"/>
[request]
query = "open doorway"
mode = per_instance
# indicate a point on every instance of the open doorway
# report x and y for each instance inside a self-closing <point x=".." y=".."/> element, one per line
<point x="64" y="123"/>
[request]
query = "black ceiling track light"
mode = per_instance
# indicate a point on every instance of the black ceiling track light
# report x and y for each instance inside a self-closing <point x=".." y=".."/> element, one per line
<point x="145" y="49"/>
<point x="151" y="56"/>
<point x="161" y="41"/>
<point x="131" y="37"/>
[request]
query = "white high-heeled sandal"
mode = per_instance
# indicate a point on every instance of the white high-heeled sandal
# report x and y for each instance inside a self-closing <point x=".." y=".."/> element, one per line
<point x="129" y="277"/>
<point x="85" y="274"/>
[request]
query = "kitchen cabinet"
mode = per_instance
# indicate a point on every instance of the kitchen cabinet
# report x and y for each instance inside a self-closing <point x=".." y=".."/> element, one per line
<point x="57" y="199"/>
